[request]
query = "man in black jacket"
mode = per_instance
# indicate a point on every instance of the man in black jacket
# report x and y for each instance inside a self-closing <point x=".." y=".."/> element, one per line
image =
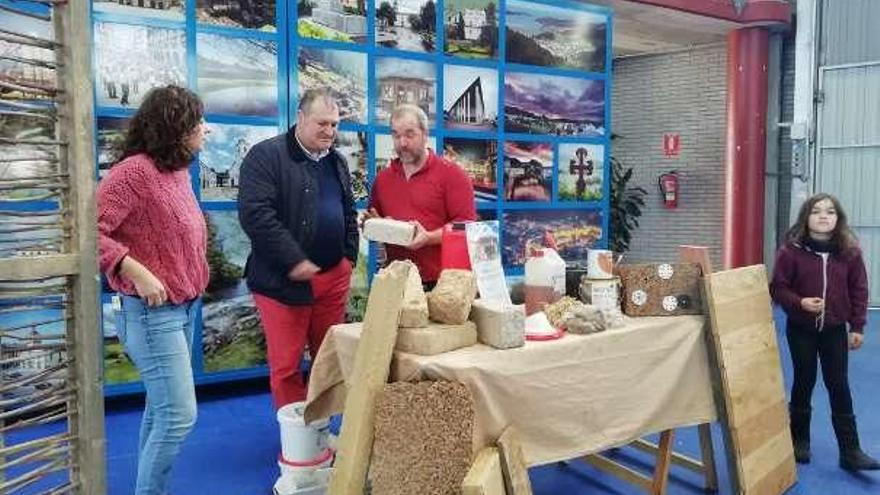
<point x="296" y="206"/>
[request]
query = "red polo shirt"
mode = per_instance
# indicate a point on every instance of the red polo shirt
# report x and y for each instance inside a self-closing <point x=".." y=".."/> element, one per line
<point x="438" y="194"/>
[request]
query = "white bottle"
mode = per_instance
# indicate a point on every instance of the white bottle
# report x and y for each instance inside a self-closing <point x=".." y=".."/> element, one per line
<point x="545" y="279"/>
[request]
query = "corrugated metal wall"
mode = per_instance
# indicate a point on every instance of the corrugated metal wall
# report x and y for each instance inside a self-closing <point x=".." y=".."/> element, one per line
<point x="848" y="126"/>
<point x="850" y="31"/>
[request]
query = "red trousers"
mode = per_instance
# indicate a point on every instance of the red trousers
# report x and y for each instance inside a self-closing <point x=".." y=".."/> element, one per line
<point x="289" y="328"/>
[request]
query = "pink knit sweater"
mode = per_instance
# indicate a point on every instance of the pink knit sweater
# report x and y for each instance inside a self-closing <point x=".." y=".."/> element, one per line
<point x="153" y="217"/>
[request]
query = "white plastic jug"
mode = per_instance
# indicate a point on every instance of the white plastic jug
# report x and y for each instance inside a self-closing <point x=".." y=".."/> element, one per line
<point x="545" y="279"/>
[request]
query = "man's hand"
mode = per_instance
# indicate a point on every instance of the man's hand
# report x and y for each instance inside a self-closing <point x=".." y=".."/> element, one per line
<point x="371" y="213"/>
<point x="422" y="237"/>
<point x="303" y="271"/>
<point x="813" y="304"/>
<point x="855" y="340"/>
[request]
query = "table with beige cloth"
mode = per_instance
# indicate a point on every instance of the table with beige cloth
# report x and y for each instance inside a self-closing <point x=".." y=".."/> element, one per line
<point x="569" y="397"/>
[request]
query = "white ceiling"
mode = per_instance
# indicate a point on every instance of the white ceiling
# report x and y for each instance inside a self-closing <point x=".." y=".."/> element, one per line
<point x="641" y="28"/>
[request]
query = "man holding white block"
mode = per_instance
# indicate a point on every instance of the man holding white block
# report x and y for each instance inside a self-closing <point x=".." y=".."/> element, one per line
<point x="419" y="188"/>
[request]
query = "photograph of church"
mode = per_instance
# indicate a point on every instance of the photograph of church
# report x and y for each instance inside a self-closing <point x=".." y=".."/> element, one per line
<point x="470" y="97"/>
<point x="220" y="159"/>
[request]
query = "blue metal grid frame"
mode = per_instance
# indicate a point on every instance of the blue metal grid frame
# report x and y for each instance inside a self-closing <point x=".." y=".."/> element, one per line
<point x="288" y="43"/>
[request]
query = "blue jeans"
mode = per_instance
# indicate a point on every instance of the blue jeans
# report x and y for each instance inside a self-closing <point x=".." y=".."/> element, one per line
<point x="159" y="341"/>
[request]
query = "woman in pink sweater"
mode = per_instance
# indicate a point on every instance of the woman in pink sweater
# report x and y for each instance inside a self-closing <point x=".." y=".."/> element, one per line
<point x="152" y="244"/>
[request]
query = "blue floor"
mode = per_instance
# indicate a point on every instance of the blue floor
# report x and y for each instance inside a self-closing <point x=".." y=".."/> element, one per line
<point x="233" y="448"/>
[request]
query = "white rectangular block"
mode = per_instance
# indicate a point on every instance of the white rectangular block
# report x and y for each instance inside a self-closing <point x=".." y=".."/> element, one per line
<point x="498" y="326"/>
<point x="389" y="231"/>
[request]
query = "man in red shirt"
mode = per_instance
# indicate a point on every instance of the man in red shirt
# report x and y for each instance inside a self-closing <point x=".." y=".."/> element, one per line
<point x="423" y="188"/>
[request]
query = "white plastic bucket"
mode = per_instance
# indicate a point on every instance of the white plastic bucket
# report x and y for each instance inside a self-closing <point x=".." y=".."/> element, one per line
<point x="600" y="264"/>
<point x="300" y="443"/>
<point x="306" y="478"/>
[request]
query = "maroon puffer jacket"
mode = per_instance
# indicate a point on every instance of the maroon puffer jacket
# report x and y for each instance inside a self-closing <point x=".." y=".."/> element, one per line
<point x="842" y="281"/>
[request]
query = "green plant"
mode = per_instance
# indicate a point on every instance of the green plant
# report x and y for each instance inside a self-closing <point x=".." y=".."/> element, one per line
<point x="626" y="206"/>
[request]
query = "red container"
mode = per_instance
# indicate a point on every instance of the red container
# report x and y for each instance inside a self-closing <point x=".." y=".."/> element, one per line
<point x="453" y="248"/>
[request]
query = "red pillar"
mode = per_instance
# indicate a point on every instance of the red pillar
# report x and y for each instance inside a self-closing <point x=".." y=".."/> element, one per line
<point x="747" y="55"/>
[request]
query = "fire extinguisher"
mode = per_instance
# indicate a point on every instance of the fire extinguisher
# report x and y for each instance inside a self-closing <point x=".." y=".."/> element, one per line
<point x="668" y="183"/>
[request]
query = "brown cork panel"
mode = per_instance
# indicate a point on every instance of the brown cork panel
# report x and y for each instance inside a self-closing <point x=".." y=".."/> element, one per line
<point x="645" y="289"/>
<point x="423" y="439"/>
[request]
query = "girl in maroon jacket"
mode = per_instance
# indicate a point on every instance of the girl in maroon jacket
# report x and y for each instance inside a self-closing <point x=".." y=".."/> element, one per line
<point x="821" y="283"/>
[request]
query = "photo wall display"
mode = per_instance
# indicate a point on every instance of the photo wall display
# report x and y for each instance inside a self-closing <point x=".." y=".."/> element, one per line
<point x="516" y="92"/>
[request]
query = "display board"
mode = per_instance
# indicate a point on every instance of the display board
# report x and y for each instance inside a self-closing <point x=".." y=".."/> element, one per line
<point x="517" y="93"/>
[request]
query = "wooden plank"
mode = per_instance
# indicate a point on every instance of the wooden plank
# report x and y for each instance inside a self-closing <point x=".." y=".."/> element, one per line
<point x="696" y="254"/>
<point x="625" y="473"/>
<point x="370" y="373"/>
<point x="513" y="463"/>
<point x="753" y="433"/>
<point x="748" y="379"/>
<point x="710" y="473"/>
<point x="32" y="268"/>
<point x="484" y="476"/>
<point x="734" y="314"/>
<point x="753" y="389"/>
<point x="778" y="480"/>
<point x="73" y="27"/>
<point x="762" y="461"/>
<point x="661" y="469"/>
<point x="678" y="459"/>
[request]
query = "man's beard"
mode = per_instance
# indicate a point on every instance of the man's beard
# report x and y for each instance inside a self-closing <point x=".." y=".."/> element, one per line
<point x="410" y="157"/>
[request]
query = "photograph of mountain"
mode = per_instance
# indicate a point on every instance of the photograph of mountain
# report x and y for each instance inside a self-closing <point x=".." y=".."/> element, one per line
<point x="548" y="36"/>
<point x="344" y="72"/>
<point x="231" y="333"/>
<point x="237" y="76"/>
<point x="562" y="106"/>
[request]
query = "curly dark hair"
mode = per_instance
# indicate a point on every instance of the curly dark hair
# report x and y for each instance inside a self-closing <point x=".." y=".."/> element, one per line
<point x="842" y="237"/>
<point x="161" y="126"/>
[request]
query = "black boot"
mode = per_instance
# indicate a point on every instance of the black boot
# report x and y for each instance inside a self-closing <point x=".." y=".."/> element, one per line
<point x="800" y="433"/>
<point x="851" y="456"/>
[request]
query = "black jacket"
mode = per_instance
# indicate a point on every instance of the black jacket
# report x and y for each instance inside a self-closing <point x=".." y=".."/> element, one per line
<point x="277" y="205"/>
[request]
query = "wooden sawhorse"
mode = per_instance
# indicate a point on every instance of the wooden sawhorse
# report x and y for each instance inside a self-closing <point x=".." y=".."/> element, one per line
<point x="664" y="456"/>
